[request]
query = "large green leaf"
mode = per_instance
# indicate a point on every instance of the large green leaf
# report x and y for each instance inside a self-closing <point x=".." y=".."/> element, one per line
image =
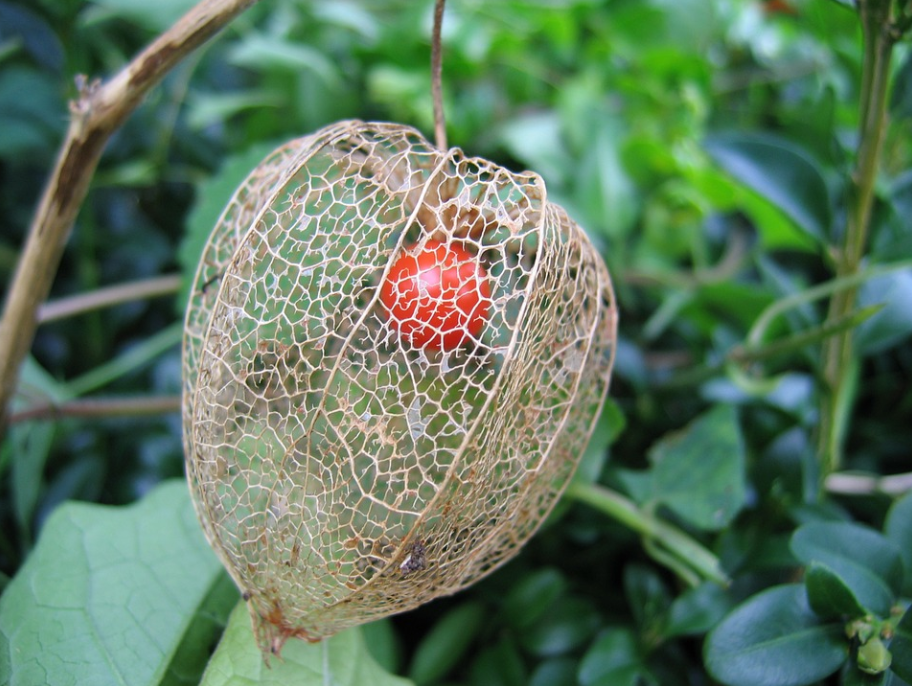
<point x="901" y="648"/>
<point x="868" y="564"/>
<point x="129" y="595"/>
<point x="898" y="529"/>
<point x="699" y="472"/>
<point x="774" y="639"/>
<point x="779" y="171"/>
<point x="342" y="660"/>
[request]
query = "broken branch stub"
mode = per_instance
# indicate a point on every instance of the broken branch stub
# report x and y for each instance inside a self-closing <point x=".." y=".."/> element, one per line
<point x="341" y="471"/>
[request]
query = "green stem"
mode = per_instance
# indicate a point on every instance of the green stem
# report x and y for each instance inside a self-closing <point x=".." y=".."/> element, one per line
<point x="684" y="549"/>
<point x="877" y="29"/>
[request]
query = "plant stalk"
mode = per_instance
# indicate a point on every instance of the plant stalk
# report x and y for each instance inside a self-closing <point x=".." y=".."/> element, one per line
<point x="684" y="549"/>
<point x="96" y="114"/>
<point x="878" y="36"/>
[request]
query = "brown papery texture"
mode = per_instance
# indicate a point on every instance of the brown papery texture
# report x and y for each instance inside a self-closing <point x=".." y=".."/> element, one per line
<point x="341" y="474"/>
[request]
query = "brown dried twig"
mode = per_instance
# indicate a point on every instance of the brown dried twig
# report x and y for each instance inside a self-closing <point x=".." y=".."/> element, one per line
<point x="96" y="114"/>
<point x="440" y="137"/>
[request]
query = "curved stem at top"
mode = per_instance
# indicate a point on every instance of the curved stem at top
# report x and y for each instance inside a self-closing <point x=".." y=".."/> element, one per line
<point x="437" y="77"/>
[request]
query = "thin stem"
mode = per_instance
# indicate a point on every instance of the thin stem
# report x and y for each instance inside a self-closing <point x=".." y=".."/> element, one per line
<point x="669" y="538"/>
<point x="437" y="77"/>
<point x="97" y="113"/>
<point x="105" y="297"/>
<point x="101" y="408"/>
<point x="877" y="26"/>
<point x="131" y="360"/>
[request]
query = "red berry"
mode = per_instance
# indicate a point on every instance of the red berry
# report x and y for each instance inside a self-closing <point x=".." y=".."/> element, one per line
<point x="437" y="296"/>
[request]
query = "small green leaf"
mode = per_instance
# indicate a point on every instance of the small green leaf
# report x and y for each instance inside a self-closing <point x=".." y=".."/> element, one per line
<point x="867" y="563"/>
<point x="647" y="597"/>
<point x="774" y="639"/>
<point x="112" y="595"/>
<point x="571" y="623"/>
<point x="532" y="596"/>
<point x="898" y="529"/>
<point x="257" y="51"/>
<point x="342" y="660"/>
<point x="500" y="665"/>
<point x="893" y="323"/>
<point x="901" y="647"/>
<point x="697" y="610"/>
<point x="558" y="672"/>
<point x="446" y="643"/>
<point x="612" y="659"/>
<point x="828" y="594"/>
<point x="781" y="172"/>
<point x="699" y="472"/>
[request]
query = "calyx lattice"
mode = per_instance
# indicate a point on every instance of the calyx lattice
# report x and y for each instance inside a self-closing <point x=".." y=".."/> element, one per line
<point x="340" y="472"/>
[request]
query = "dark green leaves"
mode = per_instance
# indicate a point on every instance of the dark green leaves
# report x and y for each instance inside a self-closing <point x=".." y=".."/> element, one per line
<point x="901" y="648"/>
<point x="869" y="565"/>
<point x="446" y="643"/>
<point x="699" y="473"/>
<point x="127" y="595"/>
<point x="898" y="529"/>
<point x="780" y="172"/>
<point x="774" y="639"/>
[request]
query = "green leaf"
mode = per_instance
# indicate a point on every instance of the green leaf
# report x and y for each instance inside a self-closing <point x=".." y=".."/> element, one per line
<point x="154" y="16"/>
<point x="211" y="198"/>
<point x="536" y="140"/>
<point x="499" y="665"/>
<point x="571" y="623"/>
<point x="781" y="172"/>
<point x="901" y="647"/>
<point x="774" y="639"/>
<point x="828" y="594"/>
<point x="612" y="659"/>
<point x="898" y="529"/>
<point x="558" y="672"/>
<point x="867" y="563"/>
<point x="383" y="643"/>
<point x="342" y="660"/>
<point x="604" y="193"/>
<point x="446" y="643"/>
<point x="115" y="595"/>
<point x="893" y="323"/>
<point x="697" y="610"/>
<point x="532" y="596"/>
<point x="647" y="597"/>
<point x="264" y="52"/>
<point x="699" y="472"/>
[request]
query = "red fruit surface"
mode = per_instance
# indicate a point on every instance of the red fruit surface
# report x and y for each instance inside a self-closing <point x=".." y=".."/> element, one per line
<point x="437" y="296"/>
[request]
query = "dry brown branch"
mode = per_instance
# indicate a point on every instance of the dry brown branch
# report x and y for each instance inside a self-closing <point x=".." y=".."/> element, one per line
<point x="105" y="297"/>
<point x="100" y="109"/>
<point x="101" y="408"/>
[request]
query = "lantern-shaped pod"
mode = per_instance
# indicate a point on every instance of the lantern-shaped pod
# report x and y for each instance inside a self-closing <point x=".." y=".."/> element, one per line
<point x="342" y="471"/>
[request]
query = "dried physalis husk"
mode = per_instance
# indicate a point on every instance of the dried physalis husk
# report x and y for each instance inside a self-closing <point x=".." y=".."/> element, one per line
<point x="340" y="471"/>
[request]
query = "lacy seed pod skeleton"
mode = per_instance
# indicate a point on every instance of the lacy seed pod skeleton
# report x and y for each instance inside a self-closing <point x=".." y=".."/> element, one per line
<point x="343" y="467"/>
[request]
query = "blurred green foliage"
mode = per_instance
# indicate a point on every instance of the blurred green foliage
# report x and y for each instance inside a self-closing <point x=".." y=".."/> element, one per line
<point x="708" y="148"/>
